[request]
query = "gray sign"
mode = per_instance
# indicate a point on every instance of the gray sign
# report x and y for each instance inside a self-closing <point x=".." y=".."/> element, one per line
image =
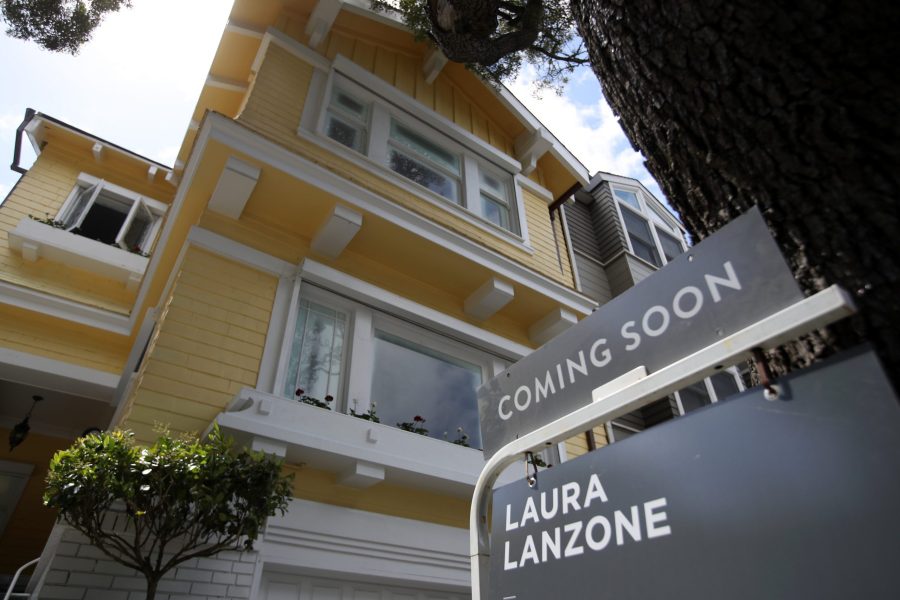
<point x="732" y="279"/>
<point x="748" y="498"/>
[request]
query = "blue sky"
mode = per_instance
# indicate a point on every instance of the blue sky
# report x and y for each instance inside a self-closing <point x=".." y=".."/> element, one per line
<point x="136" y="83"/>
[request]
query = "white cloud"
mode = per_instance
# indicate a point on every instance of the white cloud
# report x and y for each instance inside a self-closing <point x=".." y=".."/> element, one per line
<point x="585" y="124"/>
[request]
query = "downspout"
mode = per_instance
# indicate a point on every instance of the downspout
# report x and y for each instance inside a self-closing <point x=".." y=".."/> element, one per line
<point x="17" y="150"/>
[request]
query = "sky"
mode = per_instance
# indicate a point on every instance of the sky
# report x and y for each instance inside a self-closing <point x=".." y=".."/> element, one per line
<point x="136" y="83"/>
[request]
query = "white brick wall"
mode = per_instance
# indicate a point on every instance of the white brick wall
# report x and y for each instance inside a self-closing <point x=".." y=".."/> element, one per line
<point x="80" y="571"/>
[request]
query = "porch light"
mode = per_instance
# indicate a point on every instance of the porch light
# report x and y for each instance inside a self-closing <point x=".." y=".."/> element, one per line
<point x="20" y="431"/>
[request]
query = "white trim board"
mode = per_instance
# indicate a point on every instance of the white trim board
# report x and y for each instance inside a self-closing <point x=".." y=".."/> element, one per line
<point x="61" y="308"/>
<point x="325" y="538"/>
<point x="241" y="139"/>
<point x="56" y="375"/>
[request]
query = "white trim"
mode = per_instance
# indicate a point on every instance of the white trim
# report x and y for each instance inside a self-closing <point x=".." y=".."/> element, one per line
<point x="392" y="95"/>
<point x="63" y="309"/>
<point x="56" y="375"/>
<point x="37" y="240"/>
<point x="238" y="252"/>
<point x="223" y="83"/>
<point x="628" y="182"/>
<point x="570" y="247"/>
<point x="35" y="136"/>
<point x="321" y="537"/>
<point x="224" y="130"/>
<point x="276" y="335"/>
<point x="393" y="303"/>
<point x="245" y="29"/>
<point x="285" y="42"/>
<point x="535" y="188"/>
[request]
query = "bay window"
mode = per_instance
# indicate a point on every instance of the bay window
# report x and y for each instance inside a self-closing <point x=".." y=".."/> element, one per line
<point x="652" y="234"/>
<point x="408" y="146"/>
<point x="370" y="362"/>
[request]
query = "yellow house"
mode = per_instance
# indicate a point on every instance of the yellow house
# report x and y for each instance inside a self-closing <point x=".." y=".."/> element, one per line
<point x="351" y="216"/>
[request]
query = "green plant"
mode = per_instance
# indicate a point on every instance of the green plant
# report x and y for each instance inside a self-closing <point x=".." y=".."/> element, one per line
<point x="182" y="498"/>
<point x="417" y="425"/>
<point x="302" y="397"/>
<point x="48" y="220"/>
<point x="462" y="438"/>
<point x="369" y="415"/>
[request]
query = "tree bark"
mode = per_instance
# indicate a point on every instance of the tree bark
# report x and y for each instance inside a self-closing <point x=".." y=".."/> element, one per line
<point x="152" y="584"/>
<point x="788" y="105"/>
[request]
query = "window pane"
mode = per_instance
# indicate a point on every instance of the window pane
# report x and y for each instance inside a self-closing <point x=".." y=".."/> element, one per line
<point x="349" y="135"/>
<point x="104" y="219"/>
<point x="423" y="175"/>
<point x="724" y="385"/>
<point x="629" y="198"/>
<point x="670" y="246"/>
<point x="138" y="229"/>
<point x="317" y="351"/>
<point x="81" y="201"/>
<point x="493" y="185"/>
<point x="495" y="212"/>
<point x="345" y="102"/>
<point x="410" y="380"/>
<point x="424" y="147"/>
<point x="694" y="397"/>
<point x="641" y="239"/>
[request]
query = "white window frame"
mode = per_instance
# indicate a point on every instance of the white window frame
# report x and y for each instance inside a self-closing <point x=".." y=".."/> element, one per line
<point x="154" y="208"/>
<point x="474" y="157"/>
<point x="359" y="345"/>
<point x="651" y="216"/>
<point x="710" y="390"/>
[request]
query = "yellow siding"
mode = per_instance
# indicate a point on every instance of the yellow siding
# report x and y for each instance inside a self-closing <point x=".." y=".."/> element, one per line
<point x="384" y="498"/>
<point x="578" y="445"/>
<point x="30" y="523"/>
<point x="26" y="331"/>
<point x="41" y="192"/>
<point x="402" y="68"/>
<point x="274" y="110"/>
<point x="208" y="345"/>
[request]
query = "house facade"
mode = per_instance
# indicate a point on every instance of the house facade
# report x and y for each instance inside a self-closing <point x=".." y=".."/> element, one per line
<point x="352" y="222"/>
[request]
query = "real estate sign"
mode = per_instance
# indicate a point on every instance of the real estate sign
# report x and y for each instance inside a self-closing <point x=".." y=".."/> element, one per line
<point x="729" y="281"/>
<point x="747" y="498"/>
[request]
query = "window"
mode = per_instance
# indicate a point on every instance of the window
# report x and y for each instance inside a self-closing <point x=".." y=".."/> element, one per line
<point x="414" y="150"/>
<point x="716" y="388"/>
<point x="411" y="380"/>
<point x="651" y="234"/>
<point x="360" y="356"/>
<point x="317" y="351"/>
<point x="107" y="213"/>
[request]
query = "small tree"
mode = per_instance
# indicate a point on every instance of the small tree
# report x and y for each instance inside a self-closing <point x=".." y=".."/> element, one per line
<point x="182" y="498"/>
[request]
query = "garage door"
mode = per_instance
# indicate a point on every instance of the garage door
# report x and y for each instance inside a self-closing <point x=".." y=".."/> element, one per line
<point x="286" y="587"/>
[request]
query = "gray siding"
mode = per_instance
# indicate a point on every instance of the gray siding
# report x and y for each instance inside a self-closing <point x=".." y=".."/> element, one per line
<point x="619" y="274"/>
<point x="594" y="283"/>
<point x="581" y="228"/>
<point x="608" y="227"/>
<point x="639" y="269"/>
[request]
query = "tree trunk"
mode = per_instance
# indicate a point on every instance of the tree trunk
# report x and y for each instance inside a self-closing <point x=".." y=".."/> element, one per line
<point x="152" y="583"/>
<point x="788" y="105"/>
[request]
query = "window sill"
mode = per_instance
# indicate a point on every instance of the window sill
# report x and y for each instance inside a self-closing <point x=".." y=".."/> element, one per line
<point x="36" y="240"/>
<point x="362" y="453"/>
